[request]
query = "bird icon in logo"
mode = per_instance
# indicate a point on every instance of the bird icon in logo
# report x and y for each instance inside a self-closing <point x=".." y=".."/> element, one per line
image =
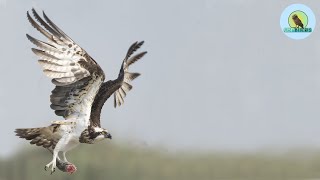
<point x="297" y="21"/>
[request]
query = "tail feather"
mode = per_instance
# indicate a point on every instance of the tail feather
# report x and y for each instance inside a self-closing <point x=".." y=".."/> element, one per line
<point x="28" y="133"/>
<point x="39" y="136"/>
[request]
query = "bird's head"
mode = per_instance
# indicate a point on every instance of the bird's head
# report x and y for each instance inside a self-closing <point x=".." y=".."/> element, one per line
<point x="294" y="16"/>
<point x="100" y="134"/>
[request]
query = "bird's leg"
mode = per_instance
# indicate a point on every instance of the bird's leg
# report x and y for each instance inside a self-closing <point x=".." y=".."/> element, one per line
<point x="48" y="165"/>
<point x="53" y="162"/>
<point x="63" y="166"/>
<point x="63" y="141"/>
<point x="64" y="156"/>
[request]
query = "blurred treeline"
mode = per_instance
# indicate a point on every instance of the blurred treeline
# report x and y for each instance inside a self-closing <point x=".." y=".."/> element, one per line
<point x="117" y="162"/>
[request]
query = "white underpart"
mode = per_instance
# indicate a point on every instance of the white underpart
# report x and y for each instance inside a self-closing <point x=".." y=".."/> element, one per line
<point x="83" y="109"/>
<point x="72" y="131"/>
<point x="81" y="115"/>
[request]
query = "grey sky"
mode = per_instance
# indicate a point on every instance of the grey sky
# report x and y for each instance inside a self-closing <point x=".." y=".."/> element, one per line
<point x="218" y="75"/>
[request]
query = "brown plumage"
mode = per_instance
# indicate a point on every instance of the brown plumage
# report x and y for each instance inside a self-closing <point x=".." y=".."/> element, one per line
<point x="45" y="136"/>
<point x="297" y="21"/>
<point x="119" y="87"/>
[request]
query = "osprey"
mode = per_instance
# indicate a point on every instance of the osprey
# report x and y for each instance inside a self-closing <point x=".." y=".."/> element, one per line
<point x="79" y="94"/>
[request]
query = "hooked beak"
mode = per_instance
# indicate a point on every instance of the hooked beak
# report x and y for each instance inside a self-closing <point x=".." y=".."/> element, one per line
<point x="108" y="135"/>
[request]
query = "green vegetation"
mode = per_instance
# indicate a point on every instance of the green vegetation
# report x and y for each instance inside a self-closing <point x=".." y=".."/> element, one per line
<point x="117" y="162"/>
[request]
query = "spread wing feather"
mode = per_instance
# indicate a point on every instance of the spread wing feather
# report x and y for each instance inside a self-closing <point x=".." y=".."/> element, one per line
<point x="76" y="75"/>
<point x="126" y="76"/>
<point x="119" y="87"/>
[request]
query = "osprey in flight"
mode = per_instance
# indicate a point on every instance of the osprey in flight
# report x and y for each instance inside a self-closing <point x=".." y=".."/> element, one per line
<point x="79" y="94"/>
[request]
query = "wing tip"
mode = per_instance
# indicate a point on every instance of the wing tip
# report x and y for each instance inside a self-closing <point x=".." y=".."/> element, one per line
<point x="35" y="50"/>
<point x="44" y="15"/>
<point x="141" y="43"/>
<point x="34" y="12"/>
<point x="30" y="38"/>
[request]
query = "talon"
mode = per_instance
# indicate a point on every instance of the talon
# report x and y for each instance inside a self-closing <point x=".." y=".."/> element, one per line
<point x="45" y="168"/>
<point x="53" y="170"/>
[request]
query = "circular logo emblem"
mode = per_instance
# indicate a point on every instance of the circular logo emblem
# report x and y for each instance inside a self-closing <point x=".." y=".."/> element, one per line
<point x="297" y="21"/>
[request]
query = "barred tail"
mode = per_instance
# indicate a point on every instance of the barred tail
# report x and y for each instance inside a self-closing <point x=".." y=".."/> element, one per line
<point x="28" y="133"/>
<point x="34" y="134"/>
<point x="38" y="136"/>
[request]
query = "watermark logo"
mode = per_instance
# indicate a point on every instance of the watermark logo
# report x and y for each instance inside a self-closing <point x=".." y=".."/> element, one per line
<point x="297" y="21"/>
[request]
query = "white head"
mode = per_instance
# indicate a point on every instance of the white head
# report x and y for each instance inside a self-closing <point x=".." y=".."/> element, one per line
<point x="101" y="134"/>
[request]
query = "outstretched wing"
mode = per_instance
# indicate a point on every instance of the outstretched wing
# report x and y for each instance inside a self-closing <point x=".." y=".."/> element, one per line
<point x="125" y="76"/>
<point x="119" y="87"/>
<point x="76" y="75"/>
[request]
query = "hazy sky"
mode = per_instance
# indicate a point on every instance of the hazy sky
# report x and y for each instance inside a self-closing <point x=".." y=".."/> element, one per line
<point x="218" y="74"/>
